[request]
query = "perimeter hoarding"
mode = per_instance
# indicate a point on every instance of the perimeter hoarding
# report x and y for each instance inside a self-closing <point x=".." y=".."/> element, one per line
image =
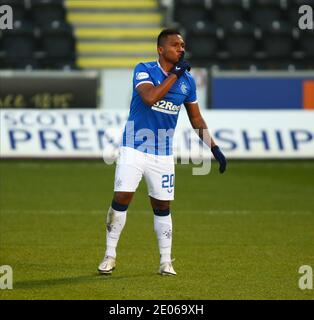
<point x="49" y="89"/>
<point x="264" y="90"/>
<point x="97" y="133"/>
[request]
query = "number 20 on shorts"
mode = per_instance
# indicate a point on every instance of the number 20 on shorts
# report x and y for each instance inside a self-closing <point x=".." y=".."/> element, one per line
<point x="168" y="181"/>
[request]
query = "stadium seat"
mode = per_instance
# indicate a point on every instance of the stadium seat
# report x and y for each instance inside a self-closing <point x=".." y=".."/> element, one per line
<point x="239" y="65"/>
<point x="202" y="42"/>
<point x="226" y="12"/>
<point x="18" y="7"/>
<point x="44" y="12"/>
<point x="260" y="34"/>
<point x="21" y="48"/>
<point x="277" y="41"/>
<point x="24" y="64"/>
<point x="187" y="12"/>
<point x="305" y="64"/>
<point x="59" y="65"/>
<point x="18" y="44"/>
<point x="58" y="44"/>
<point x="2" y="63"/>
<point x="263" y="12"/>
<point x="306" y="43"/>
<point x="293" y="10"/>
<point x="239" y="40"/>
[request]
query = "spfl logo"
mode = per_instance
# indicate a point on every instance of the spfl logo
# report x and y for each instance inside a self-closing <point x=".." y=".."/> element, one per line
<point x="6" y="17"/>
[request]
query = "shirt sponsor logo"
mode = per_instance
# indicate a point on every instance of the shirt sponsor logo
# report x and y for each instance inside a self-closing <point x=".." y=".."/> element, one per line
<point x="142" y="75"/>
<point x="166" y="107"/>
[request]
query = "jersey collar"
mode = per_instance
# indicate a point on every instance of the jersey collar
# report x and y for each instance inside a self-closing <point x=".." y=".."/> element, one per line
<point x="162" y="70"/>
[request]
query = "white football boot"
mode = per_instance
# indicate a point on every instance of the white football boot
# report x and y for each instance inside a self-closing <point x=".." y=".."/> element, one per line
<point x="166" y="269"/>
<point x="107" y="265"/>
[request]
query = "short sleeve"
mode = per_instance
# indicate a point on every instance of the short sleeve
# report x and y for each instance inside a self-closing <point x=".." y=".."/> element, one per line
<point x="192" y="97"/>
<point x="141" y="75"/>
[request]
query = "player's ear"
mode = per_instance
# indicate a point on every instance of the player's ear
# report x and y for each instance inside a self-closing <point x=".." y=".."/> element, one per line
<point x="160" y="50"/>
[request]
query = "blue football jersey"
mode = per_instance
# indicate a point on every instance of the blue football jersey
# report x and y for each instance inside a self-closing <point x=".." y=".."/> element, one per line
<point x="150" y="129"/>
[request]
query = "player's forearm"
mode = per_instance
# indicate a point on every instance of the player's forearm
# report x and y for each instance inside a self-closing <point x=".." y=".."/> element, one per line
<point x="156" y="93"/>
<point x="202" y="131"/>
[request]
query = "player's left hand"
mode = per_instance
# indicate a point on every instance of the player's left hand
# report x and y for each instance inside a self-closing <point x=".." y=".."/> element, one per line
<point x="220" y="158"/>
<point x="180" y="67"/>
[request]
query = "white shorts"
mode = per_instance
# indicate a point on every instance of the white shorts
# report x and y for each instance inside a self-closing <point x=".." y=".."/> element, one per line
<point x="157" y="170"/>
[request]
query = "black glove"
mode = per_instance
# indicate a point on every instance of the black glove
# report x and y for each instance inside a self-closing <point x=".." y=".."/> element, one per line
<point x="220" y="158"/>
<point x="180" y="67"/>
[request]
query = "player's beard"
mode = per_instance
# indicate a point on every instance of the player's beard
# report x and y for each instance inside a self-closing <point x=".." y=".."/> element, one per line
<point x="171" y="57"/>
<point x="172" y="60"/>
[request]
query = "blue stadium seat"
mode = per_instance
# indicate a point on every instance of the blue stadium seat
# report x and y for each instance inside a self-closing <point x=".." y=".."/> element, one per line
<point x="306" y="43"/>
<point x="202" y="42"/>
<point x="19" y="8"/>
<point x="277" y="40"/>
<point x="18" y="44"/>
<point x="239" y="40"/>
<point x="187" y="12"/>
<point x="227" y="12"/>
<point x="46" y="11"/>
<point x="264" y="12"/>
<point x="58" y="44"/>
<point x="293" y="10"/>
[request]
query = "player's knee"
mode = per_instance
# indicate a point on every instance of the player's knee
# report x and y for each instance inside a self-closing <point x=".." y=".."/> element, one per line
<point x="162" y="212"/>
<point x="118" y="206"/>
<point x="122" y="198"/>
<point x="161" y="208"/>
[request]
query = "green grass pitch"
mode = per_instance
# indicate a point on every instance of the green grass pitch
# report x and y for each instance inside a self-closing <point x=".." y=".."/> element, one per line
<point x="241" y="235"/>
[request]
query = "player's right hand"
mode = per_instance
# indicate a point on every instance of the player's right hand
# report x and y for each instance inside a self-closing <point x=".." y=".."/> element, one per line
<point x="180" y="67"/>
<point x="220" y="158"/>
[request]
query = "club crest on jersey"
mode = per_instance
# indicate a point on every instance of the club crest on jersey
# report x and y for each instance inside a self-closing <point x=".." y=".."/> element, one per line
<point x="166" y="107"/>
<point x="183" y="88"/>
<point x="142" y="75"/>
